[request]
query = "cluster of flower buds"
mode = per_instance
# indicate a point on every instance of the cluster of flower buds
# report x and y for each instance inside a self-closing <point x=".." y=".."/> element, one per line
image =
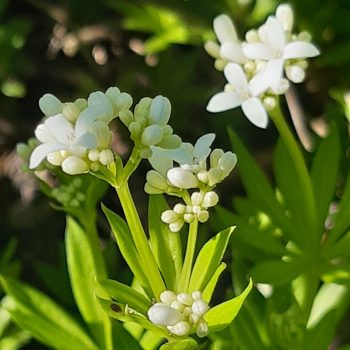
<point x="148" y="125"/>
<point x="75" y="135"/>
<point x="192" y="170"/>
<point x="255" y="68"/>
<point x="181" y="213"/>
<point x="180" y="313"/>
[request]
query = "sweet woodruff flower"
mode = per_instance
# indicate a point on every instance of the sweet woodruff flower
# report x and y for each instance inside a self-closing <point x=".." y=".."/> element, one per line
<point x="76" y="135"/>
<point x="179" y="313"/>
<point x="268" y="53"/>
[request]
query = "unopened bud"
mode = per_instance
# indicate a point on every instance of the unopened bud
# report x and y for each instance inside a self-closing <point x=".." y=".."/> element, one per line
<point x="202" y="329"/>
<point x="215" y="157"/>
<point x="304" y="36"/>
<point x="181" y="178"/>
<point x="295" y="73"/>
<point x="179" y="208"/>
<point x="227" y="162"/>
<point x="202" y="176"/>
<point x="181" y="328"/>
<point x="282" y="87"/>
<point x="156" y="180"/>
<point x="219" y="64"/>
<point x="203" y="216"/>
<point x="152" y="135"/>
<point x="123" y="102"/>
<point x="176" y="226"/>
<point x="212" y="48"/>
<point x="177" y="305"/>
<point x="135" y="130"/>
<point x="284" y="14"/>
<point x="126" y="117"/>
<point x="196" y="295"/>
<point x="50" y="105"/>
<point x="106" y="157"/>
<point x="71" y="111"/>
<point x="214" y="176"/>
<point x="142" y="108"/>
<point x="167" y="297"/>
<point x="23" y="151"/>
<point x="188" y="218"/>
<point x="159" y="111"/>
<point x="169" y="216"/>
<point x="55" y="158"/>
<point x="94" y="166"/>
<point x="185" y="299"/>
<point x="196" y="198"/>
<point x="269" y="103"/>
<point x="74" y="165"/>
<point x="200" y="307"/>
<point x="93" y="155"/>
<point x="210" y="199"/>
<point x="252" y="36"/>
<point x="249" y="67"/>
<point x="164" y="315"/>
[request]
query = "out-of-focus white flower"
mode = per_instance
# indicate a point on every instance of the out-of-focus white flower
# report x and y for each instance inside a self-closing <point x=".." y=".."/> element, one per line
<point x="275" y="48"/>
<point x="239" y="94"/>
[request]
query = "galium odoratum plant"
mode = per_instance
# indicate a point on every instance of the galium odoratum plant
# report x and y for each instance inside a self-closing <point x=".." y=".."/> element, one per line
<point x="171" y="292"/>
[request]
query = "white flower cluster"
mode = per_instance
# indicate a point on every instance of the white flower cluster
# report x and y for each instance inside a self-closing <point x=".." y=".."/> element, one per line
<point x="148" y="125"/>
<point x="180" y="313"/>
<point x="192" y="172"/>
<point x="75" y="135"/>
<point x="258" y="69"/>
<point x="181" y="213"/>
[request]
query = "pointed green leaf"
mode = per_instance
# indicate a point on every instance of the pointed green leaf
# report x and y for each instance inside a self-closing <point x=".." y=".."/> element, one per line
<point x="83" y="269"/>
<point x="209" y="289"/>
<point x="258" y="187"/>
<point x="43" y="318"/>
<point x="324" y="173"/>
<point x="126" y="245"/>
<point x="124" y="294"/>
<point x="186" y="344"/>
<point x="122" y="339"/>
<point x="150" y="341"/>
<point x="166" y="245"/>
<point x="208" y="260"/>
<point x="222" y="315"/>
<point x="276" y="272"/>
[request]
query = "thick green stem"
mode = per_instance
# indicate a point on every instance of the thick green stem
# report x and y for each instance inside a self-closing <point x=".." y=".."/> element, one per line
<point x="147" y="258"/>
<point x="132" y="164"/>
<point x="300" y="166"/>
<point x="187" y="266"/>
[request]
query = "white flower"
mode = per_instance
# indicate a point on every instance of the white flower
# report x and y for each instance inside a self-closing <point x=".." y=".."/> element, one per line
<point x="241" y="95"/>
<point x="230" y="48"/>
<point x="58" y="134"/>
<point x="275" y="48"/>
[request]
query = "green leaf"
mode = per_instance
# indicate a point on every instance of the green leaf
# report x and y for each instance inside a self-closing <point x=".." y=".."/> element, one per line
<point x="289" y="184"/>
<point x="222" y="315"/>
<point x="258" y="187"/>
<point x="166" y="245"/>
<point x="43" y="318"/>
<point x="186" y="344"/>
<point x="122" y="339"/>
<point x="126" y="245"/>
<point x="150" y="341"/>
<point x="276" y="272"/>
<point x="209" y="259"/>
<point x="340" y="249"/>
<point x="324" y="173"/>
<point x="83" y="271"/>
<point x="124" y="294"/>
<point x="209" y="289"/>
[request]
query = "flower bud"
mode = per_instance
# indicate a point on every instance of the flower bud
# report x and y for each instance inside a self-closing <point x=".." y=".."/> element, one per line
<point x="227" y="162"/>
<point x="152" y="135"/>
<point x="126" y="117"/>
<point x="282" y="87"/>
<point x="123" y="102"/>
<point x="71" y="111"/>
<point x="181" y="178"/>
<point x="93" y="155"/>
<point x="252" y="36"/>
<point x="202" y="329"/>
<point x="179" y="208"/>
<point x="187" y="311"/>
<point x="185" y="299"/>
<point x="159" y="111"/>
<point x="196" y="198"/>
<point x="142" y="108"/>
<point x="50" y="105"/>
<point x="304" y="36"/>
<point x="196" y="295"/>
<point x="188" y="218"/>
<point x="219" y="64"/>
<point x="177" y="305"/>
<point x="176" y="226"/>
<point x="295" y="73"/>
<point x="74" y="165"/>
<point x="212" y="48"/>
<point x="214" y="176"/>
<point x="200" y="307"/>
<point x="152" y="190"/>
<point x="269" y="103"/>
<point x="181" y="328"/>
<point x="193" y="318"/>
<point x="23" y="151"/>
<point x="167" y="297"/>
<point x="169" y="216"/>
<point x="210" y="199"/>
<point x="215" y="157"/>
<point x="202" y="176"/>
<point x="284" y="14"/>
<point x="170" y="142"/>
<point x="94" y="166"/>
<point x="135" y="130"/>
<point x="156" y="180"/>
<point x="106" y="157"/>
<point x="55" y="158"/>
<point x="196" y="209"/>
<point x="203" y="216"/>
<point x="249" y="67"/>
<point x="164" y="315"/>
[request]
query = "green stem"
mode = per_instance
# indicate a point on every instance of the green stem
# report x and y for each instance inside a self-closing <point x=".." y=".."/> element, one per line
<point x="132" y="164"/>
<point x="142" y="245"/>
<point x="299" y="163"/>
<point x="187" y="266"/>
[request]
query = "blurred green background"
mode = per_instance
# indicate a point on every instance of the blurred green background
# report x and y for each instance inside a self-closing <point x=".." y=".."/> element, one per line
<point x="71" y="48"/>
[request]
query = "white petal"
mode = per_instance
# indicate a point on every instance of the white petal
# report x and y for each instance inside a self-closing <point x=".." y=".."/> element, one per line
<point x="300" y="49"/>
<point x="87" y="140"/>
<point x="202" y="147"/>
<point x="43" y="134"/>
<point x="255" y="112"/>
<point x="74" y="165"/>
<point x="50" y="105"/>
<point x="257" y="51"/>
<point x="181" y="178"/>
<point x="60" y="127"/>
<point x="276" y="36"/>
<point x="183" y="154"/>
<point x="274" y="72"/>
<point x="223" y="101"/>
<point x="39" y="153"/>
<point x="232" y="52"/>
<point x="284" y="14"/>
<point x="86" y="118"/>
<point x="102" y="133"/>
<point x="224" y="29"/>
<point x="160" y="160"/>
<point x="236" y="77"/>
<point x="259" y="83"/>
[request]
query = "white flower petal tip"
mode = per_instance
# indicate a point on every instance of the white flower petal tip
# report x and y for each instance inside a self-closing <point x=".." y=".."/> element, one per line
<point x="50" y="105"/>
<point x="41" y="152"/>
<point x="255" y="112"/>
<point x="236" y="77"/>
<point x="284" y="14"/>
<point x="224" y="29"/>
<point x="223" y="101"/>
<point x="300" y="49"/>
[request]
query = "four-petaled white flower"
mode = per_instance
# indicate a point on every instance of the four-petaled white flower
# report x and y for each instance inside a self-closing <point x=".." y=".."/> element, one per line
<point x="241" y="94"/>
<point x="275" y="49"/>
